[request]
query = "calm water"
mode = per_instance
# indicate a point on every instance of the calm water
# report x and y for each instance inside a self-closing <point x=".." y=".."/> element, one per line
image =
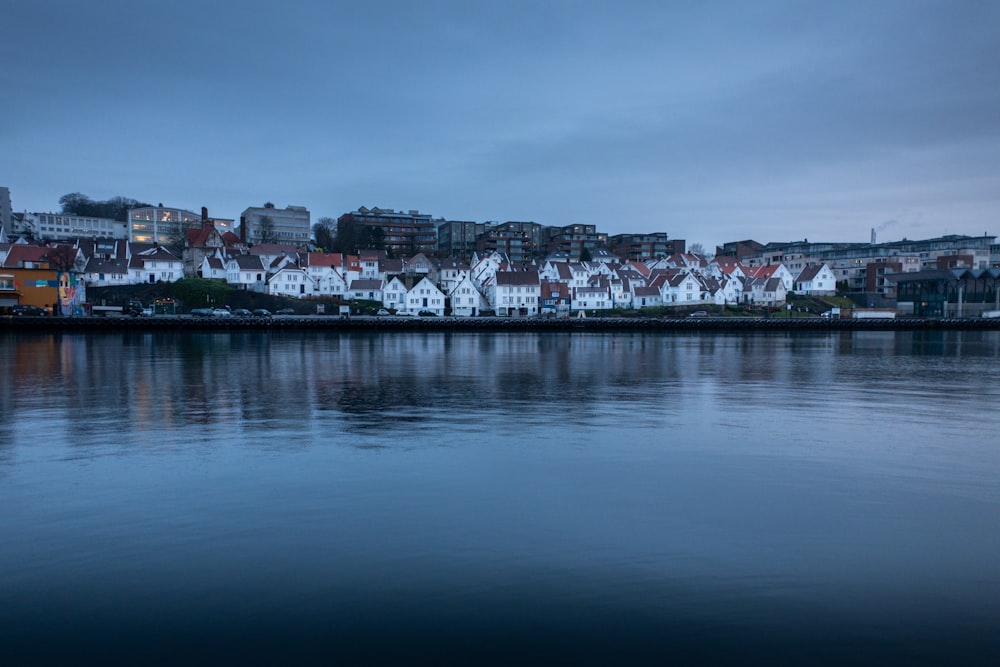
<point x="509" y="498"/>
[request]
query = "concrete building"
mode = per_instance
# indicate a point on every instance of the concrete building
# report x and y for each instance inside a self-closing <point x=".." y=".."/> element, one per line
<point x="266" y="224"/>
<point x="160" y="224"/>
<point x="67" y="226"/>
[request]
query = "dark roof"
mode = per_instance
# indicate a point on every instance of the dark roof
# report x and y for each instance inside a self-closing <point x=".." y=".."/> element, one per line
<point x="517" y="278"/>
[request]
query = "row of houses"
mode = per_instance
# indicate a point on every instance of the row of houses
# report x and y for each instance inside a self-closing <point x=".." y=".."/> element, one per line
<point x="489" y="283"/>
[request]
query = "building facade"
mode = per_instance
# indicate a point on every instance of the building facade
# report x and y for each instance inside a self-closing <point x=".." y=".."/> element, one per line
<point x="641" y="247"/>
<point x="267" y="224"/>
<point x="160" y="224"/>
<point x="404" y="234"/>
<point x="458" y="238"/>
<point x="65" y="226"/>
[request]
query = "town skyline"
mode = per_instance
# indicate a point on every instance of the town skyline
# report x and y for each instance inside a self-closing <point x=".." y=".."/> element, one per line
<point x="777" y="121"/>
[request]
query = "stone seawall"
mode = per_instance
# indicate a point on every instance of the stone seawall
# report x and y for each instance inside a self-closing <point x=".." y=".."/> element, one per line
<point x="486" y="324"/>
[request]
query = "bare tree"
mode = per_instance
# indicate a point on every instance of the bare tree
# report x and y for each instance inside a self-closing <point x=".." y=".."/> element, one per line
<point x="266" y="229"/>
<point x="324" y="233"/>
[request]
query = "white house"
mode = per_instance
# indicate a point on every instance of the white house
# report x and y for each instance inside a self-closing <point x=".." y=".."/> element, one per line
<point x="765" y="292"/>
<point x="425" y="296"/>
<point x="246" y="272"/>
<point x="394" y="295"/>
<point x="678" y="288"/>
<point x="212" y="267"/>
<point x="291" y="281"/>
<point x="592" y="298"/>
<point x="516" y="293"/>
<point x="155" y="265"/>
<point x="102" y="272"/>
<point x="646" y="297"/>
<point x="816" y="280"/>
<point x="466" y="300"/>
<point x="366" y="289"/>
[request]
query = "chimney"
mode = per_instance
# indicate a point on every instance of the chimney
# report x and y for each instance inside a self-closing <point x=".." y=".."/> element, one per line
<point x="873" y="236"/>
<point x="204" y="215"/>
<point x="243" y="229"/>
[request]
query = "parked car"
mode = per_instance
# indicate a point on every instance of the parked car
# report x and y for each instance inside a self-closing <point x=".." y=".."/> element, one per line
<point x="241" y="312"/>
<point x="699" y="313"/>
<point x="427" y="313"/>
<point x="382" y="311"/>
<point x="222" y="312"/>
<point x="285" y="311"/>
<point x="27" y="310"/>
<point x="261" y="312"/>
<point x="202" y="312"/>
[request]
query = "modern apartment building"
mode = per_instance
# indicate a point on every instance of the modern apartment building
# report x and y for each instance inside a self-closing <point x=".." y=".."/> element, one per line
<point x="405" y="234"/>
<point x="458" y="238"/>
<point x="640" y="247"/>
<point x="574" y="239"/>
<point x="267" y="224"/>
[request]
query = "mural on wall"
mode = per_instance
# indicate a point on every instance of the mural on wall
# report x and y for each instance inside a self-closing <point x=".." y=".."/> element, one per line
<point x="72" y="294"/>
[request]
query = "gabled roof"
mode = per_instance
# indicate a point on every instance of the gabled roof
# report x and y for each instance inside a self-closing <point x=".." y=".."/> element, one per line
<point x="551" y="286"/>
<point x="646" y="291"/>
<point x="101" y="265"/>
<point x="248" y="263"/>
<point x="366" y="284"/>
<point x="19" y="254"/>
<point x="810" y="272"/>
<point x="323" y="259"/>
<point x="199" y="236"/>
<point x="517" y="278"/>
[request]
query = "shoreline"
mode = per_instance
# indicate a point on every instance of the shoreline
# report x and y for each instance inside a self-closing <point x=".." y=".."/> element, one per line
<point x="487" y="324"/>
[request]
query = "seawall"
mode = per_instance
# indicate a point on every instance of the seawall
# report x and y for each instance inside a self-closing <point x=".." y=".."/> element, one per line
<point x="486" y="324"/>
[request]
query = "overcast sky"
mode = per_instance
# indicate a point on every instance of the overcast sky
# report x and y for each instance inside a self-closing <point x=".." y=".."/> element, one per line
<point x="711" y="121"/>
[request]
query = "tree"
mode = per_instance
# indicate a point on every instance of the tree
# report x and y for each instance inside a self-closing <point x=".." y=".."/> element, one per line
<point x="269" y="204"/>
<point x="116" y="208"/>
<point x="266" y="227"/>
<point x="697" y="249"/>
<point x="324" y="233"/>
<point x="585" y="255"/>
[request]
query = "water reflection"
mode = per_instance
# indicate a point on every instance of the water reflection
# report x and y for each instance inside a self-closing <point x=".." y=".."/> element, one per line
<point x="622" y="488"/>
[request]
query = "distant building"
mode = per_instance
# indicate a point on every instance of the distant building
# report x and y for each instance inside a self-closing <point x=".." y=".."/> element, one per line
<point x="534" y="235"/>
<point x="739" y="250"/>
<point x="65" y="226"/>
<point x="404" y="234"/>
<point x="160" y="224"/>
<point x="573" y="240"/>
<point x="640" y="247"/>
<point x="266" y="224"/>
<point x="514" y="244"/>
<point x="458" y="238"/>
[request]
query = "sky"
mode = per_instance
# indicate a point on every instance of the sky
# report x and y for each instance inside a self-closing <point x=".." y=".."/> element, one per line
<point x="710" y="121"/>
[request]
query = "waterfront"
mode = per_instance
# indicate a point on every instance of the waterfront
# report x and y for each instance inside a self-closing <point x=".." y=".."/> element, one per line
<point x="466" y="497"/>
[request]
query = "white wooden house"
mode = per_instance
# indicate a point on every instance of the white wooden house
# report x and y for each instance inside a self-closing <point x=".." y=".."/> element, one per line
<point x="246" y="272"/>
<point x="394" y="295"/>
<point x="466" y="300"/>
<point x="516" y="293"/>
<point x="817" y="281"/>
<point x="425" y="296"/>
<point x="290" y="281"/>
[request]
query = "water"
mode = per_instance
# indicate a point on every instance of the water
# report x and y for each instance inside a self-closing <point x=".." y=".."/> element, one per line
<point x="473" y="498"/>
